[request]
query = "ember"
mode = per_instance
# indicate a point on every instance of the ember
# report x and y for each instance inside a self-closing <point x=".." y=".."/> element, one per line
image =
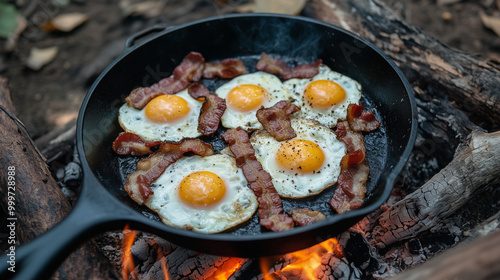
<point x="157" y="259"/>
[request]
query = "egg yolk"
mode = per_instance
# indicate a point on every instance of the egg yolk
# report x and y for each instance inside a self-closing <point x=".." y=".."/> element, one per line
<point x="166" y="108"/>
<point x="300" y="155"/>
<point x="245" y="98"/>
<point x="324" y="93"/>
<point x="202" y="189"/>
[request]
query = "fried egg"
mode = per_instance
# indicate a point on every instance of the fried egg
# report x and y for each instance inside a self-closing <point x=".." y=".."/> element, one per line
<point x="246" y="94"/>
<point x="168" y="117"/>
<point x="325" y="97"/>
<point x="304" y="165"/>
<point x="203" y="194"/>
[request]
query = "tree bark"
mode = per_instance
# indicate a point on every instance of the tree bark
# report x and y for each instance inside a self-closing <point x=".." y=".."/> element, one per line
<point x="33" y="181"/>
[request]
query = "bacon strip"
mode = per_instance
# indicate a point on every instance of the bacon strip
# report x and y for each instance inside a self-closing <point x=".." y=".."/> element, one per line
<point x="304" y="217"/>
<point x="190" y="70"/>
<point x="278" y="66"/>
<point x="276" y="121"/>
<point x="211" y="111"/>
<point x="360" y="120"/>
<point x="149" y="169"/>
<point x="351" y="187"/>
<point x="127" y="143"/>
<point x="354" y="141"/>
<point x="226" y="69"/>
<point x="270" y="206"/>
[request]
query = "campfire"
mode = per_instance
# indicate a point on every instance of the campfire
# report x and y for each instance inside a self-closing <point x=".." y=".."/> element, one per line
<point x="316" y="262"/>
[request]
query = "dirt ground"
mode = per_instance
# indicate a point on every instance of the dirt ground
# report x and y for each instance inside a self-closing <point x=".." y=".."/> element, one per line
<point x="51" y="97"/>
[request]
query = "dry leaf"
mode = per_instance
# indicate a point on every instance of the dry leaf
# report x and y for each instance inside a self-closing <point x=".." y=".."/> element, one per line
<point x="291" y="7"/>
<point x="148" y="9"/>
<point x="41" y="57"/>
<point x="247" y="8"/>
<point x="65" y="22"/>
<point x="492" y="23"/>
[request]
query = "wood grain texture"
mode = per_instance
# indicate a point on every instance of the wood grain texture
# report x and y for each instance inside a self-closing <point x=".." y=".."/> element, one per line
<point x="472" y="171"/>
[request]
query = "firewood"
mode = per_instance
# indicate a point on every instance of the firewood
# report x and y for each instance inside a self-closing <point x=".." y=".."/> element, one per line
<point x="472" y="171"/>
<point x="39" y="203"/>
<point x="155" y="256"/>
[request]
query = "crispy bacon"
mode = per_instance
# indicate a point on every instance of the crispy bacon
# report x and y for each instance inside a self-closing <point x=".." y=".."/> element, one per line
<point x="360" y="120"/>
<point x="149" y="169"/>
<point x="278" y="66"/>
<point x="351" y="188"/>
<point x="276" y="121"/>
<point x="354" y="141"/>
<point x="226" y="69"/>
<point x="351" y="184"/>
<point x="211" y="111"/>
<point x="304" y="217"/>
<point x="132" y="144"/>
<point x="352" y="158"/>
<point x="190" y="70"/>
<point x="271" y="214"/>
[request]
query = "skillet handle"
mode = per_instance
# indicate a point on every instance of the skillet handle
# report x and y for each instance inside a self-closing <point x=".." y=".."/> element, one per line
<point x="95" y="212"/>
<point x="148" y="31"/>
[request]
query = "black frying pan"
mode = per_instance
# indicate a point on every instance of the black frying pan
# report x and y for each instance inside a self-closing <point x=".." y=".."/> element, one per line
<point x="103" y="204"/>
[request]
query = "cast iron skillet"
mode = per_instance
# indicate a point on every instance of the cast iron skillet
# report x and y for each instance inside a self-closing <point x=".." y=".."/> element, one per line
<point x="103" y="205"/>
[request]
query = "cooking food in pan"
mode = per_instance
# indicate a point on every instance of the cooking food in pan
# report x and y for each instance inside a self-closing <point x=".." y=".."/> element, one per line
<point x="292" y="132"/>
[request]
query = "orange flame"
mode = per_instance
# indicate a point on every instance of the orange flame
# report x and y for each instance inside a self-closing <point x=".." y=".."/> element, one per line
<point x="230" y="266"/>
<point x="128" y="266"/>
<point x="164" y="268"/>
<point x="305" y="261"/>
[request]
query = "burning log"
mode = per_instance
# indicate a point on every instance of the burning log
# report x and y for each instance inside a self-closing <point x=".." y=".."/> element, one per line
<point x="156" y="258"/>
<point x="39" y="203"/>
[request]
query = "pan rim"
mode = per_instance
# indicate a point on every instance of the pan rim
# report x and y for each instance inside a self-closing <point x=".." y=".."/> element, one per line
<point x="227" y="237"/>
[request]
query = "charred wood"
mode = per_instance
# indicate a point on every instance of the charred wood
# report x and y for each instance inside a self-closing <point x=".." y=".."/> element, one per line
<point x="482" y="257"/>
<point x="156" y="258"/>
<point x="472" y="171"/>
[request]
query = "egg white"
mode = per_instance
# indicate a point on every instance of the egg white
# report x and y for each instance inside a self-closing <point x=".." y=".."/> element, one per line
<point x="293" y="184"/>
<point x="136" y="121"/>
<point x="238" y="204"/>
<point x="329" y="116"/>
<point x="248" y="120"/>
